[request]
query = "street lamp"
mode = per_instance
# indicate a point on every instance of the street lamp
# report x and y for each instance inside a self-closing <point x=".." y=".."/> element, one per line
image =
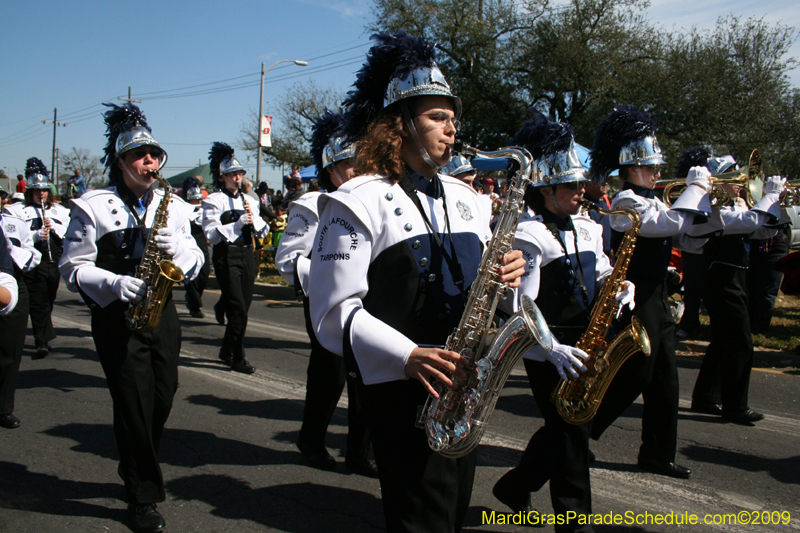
<point x="297" y="62"/>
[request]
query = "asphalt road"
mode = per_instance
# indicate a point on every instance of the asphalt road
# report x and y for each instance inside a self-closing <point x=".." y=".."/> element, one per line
<point x="230" y="463"/>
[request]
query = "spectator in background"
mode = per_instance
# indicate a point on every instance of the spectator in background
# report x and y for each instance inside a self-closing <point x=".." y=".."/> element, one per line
<point x="265" y="202"/>
<point x="77" y="184"/>
<point x="295" y="173"/>
<point x="313" y="186"/>
<point x="295" y="188"/>
<point x="278" y="224"/>
<point x="247" y="188"/>
<point x="20" y="183"/>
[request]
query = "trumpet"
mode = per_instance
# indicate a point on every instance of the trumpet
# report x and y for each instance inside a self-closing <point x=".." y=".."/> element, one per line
<point x="791" y="194"/>
<point x="750" y="178"/>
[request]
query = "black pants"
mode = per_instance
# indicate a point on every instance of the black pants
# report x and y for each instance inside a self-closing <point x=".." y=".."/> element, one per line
<point x="725" y="373"/>
<point x="142" y="374"/>
<point x="236" y="273"/>
<point x="195" y="288"/>
<point x="42" y="283"/>
<point x="422" y="491"/>
<point x="654" y="377"/>
<point x="12" y="341"/>
<point x="326" y="378"/>
<point x="559" y="451"/>
<point x="764" y="282"/>
<point x="693" y="267"/>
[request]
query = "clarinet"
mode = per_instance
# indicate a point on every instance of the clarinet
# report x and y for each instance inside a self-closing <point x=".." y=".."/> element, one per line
<point x="46" y="227"/>
<point x="250" y="214"/>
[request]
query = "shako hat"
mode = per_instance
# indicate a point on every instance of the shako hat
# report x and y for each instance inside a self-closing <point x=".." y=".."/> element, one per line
<point x="458" y="164"/>
<point x="192" y="189"/>
<point x="36" y="175"/>
<point x="126" y="130"/>
<point x="222" y="162"/>
<point x="328" y="146"/>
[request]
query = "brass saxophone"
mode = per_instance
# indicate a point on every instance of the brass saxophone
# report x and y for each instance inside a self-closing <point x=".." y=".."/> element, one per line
<point x="577" y="400"/>
<point x="156" y="269"/>
<point x="455" y="422"/>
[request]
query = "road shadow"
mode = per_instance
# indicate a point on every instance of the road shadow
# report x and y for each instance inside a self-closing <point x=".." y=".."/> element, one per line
<point x="274" y="409"/>
<point x="785" y="470"/>
<point x="292" y="507"/>
<point x="62" y="380"/>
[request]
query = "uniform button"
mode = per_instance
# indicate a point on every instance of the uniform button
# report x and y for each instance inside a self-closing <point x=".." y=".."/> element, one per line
<point x="117" y="223"/>
<point x="127" y="257"/>
<point x="408" y="227"/>
<point x="121" y="233"/>
<point x="416" y="245"/>
<point x="423" y="261"/>
<point x="665" y="243"/>
<point x="432" y="277"/>
<point x="352" y="375"/>
<point x="113" y="211"/>
<point x="123" y="245"/>
<point x="111" y="201"/>
<point x="398" y="211"/>
<point x="568" y="262"/>
<point x="389" y="196"/>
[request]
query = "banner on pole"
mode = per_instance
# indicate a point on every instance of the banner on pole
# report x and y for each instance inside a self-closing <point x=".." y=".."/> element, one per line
<point x="265" y="131"/>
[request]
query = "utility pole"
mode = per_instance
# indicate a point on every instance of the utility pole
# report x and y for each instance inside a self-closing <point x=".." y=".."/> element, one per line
<point x="129" y="99"/>
<point x="55" y="123"/>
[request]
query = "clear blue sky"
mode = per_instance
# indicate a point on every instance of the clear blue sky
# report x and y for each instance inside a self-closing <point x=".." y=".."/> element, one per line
<point x="75" y="55"/>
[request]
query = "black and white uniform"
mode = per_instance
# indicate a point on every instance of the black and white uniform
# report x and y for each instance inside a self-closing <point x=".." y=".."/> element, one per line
<point x="326" y="374"/>
<point x="13" y="325"/>
<point x="234" y="261"/>
<point x="195" y="287"/>
<point x="725" y="373"/>
<point x="42" y="282"/>
<point x="654" y="377"/>
<point x="563" y="275"/>
<point x="104" y="240"/>
<point x="381" y="286"/>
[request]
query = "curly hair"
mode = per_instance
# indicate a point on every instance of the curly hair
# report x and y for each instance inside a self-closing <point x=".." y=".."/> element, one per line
<point x="379" y="151"/>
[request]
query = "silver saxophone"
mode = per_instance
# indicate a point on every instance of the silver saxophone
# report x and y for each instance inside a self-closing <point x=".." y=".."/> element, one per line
<point x="456" y="421"/>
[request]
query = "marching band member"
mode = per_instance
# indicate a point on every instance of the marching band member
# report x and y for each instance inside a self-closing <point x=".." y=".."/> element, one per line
<point x="18" y="245"/>
<point x="724" y="379"/>
<point x="395" y="253"/>
<point x="326" y="373"/>
<point x="626" y="141"/>
<point x="565" y="267"/>
<point x="107" y="235"/>
<point x="191" y="191"/>
<point x="48" y="223"/>
<point x="231" y="227"/>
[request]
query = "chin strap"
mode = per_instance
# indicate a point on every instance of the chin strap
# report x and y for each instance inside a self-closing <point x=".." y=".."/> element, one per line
<point x="413" y="131"/>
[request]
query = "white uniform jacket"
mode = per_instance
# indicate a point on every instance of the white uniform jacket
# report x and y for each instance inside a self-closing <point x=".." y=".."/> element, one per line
<point x="658" y="220"/>
<point x="196" y="216"/>
<point x="103" y="240"/>
<point x="58" y="215"/>
<point x="221" y="211"/>
<point x="7" y="279"/>
<point x="541" y="249"/>
<point x="18" y="235"/>
<point x="373" y="250"/>
<point x="294" y="252"/>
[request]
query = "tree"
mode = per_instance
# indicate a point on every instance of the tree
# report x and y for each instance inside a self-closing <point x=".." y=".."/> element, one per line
<point x="294" y="118"/>
<point x="89" y="165"/>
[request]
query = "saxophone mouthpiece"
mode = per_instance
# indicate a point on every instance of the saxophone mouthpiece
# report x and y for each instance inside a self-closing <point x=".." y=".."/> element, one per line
<point x="463" y="148"/>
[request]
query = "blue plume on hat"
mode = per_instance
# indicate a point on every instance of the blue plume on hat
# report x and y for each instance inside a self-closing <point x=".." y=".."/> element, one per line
<point x="542" y="136"/>
<point x="219" y="152"/>
<point x="324" y="127"/>
<point x="190" y="182"/>
<point x="623" y="125"/>
<point x="119" y="119"/>
<point x="695" y="156"/>
<point x="35" y="166"/>
<point x="392" y="55"/>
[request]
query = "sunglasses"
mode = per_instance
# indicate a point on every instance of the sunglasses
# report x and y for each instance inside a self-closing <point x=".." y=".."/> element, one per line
<point x="574" y="185"/>
<point x="154" y="153"/>
<point x="655" y="168"/>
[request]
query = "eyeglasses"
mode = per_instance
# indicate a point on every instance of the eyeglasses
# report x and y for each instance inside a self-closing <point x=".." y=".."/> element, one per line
<point x="155" y="153"/>
<point x="574" y="185"/>
<point x="441" y="119"/>
<point x="655" y="168"/>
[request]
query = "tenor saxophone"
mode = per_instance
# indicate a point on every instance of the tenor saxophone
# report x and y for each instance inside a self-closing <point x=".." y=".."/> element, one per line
<point x="577" y="400"/>
<point x="455" y="422"/>
<point x="156" y="269"/>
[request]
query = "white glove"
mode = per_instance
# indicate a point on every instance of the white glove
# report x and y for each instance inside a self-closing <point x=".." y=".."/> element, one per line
<point x="242" y="222"/>
<point x="38" y="235"/>
<point x="566" y="359"/>
<point x="625" y="296"/>
<point x="167" y="242"/>
<point x="698" y="176"/>
<point x="128" y="288"/>
<point x="774" y="184"/>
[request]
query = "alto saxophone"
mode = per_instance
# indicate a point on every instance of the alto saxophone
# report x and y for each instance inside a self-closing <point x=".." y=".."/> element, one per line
<point x="455" y="422"/>
<point x="156" y="269"/>
<point x="577" y="400"/>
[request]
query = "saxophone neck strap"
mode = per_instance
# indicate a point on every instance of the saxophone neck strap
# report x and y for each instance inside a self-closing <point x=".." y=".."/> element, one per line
<point x="576" y="280"/>
<point x="452" y="258"/>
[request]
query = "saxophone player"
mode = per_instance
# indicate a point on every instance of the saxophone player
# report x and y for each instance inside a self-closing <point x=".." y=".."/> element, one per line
<point x="566" y="265"/>
<point x="626" y="141"/>
<point x="395" y="253"/>
<point x="229" y="225"/>
<point x="48" y="223"/>
<point x="108" y="232"/>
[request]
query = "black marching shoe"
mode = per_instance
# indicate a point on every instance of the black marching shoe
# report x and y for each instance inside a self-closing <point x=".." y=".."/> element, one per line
<point x="506" y="491"/>
<point x="226" y="358"/>
<point x="362" y="465"/>
<point x="664" y="468"/>
<point x="42" y="350"/>
<point x="9" y="421"/>
<point x="242" y="366"/>
<point x="708" y="408"/>
<point x="145" y="518"/>
<point x="196" y="313"/>
<point x="317" y="458"/>
<point x="745" y="417"/>
<point x="219" y="314"/>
